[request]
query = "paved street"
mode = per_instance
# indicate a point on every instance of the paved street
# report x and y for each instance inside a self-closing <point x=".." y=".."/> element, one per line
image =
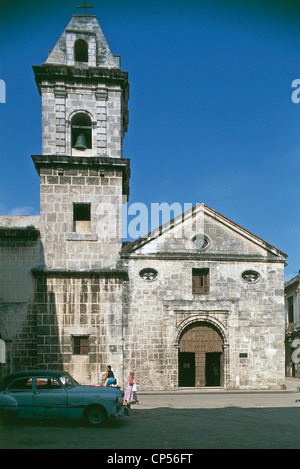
<point x="178" y="420"/>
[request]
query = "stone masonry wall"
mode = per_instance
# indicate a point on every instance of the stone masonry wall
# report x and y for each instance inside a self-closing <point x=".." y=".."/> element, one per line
<point x="101" y="103"/>
<point x="250" y="318"/>
<point x="80" y="305"/>
<point x="20" y="251"/>
<point x="63" y="247"/>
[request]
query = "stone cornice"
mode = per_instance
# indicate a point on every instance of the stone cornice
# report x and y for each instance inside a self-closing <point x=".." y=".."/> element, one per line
<point x="19" y="232"/>
<point x="51" y="73"/>
<point x="77" y="161"/>
<point x="97" y="273"/>
<point x="194" y="256"/>
<point x="85" y="162"/>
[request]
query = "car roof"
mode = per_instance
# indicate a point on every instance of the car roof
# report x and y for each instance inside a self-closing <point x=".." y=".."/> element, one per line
<point x="23" y="374"/>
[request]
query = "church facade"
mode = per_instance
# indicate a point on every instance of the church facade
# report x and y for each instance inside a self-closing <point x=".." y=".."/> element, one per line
<point x="198" y="302"/>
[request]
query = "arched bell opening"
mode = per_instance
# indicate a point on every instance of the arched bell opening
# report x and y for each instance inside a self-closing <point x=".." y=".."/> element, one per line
<point x="81" y="51"/>
<point x="81" y="132"/>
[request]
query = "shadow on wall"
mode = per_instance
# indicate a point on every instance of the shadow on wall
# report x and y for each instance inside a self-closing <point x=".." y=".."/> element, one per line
<point x="48" y="347"/>
<point x="21" y="252"/>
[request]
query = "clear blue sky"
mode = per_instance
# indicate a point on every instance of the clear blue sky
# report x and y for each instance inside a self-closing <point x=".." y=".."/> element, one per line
<point x="211" y="115"/>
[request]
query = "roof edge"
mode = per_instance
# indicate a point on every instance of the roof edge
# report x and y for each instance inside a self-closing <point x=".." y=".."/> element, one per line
<point x="131" y="247"/>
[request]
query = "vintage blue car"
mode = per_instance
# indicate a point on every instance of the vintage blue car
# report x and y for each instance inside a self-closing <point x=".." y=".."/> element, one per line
<point x="56" y="395"/>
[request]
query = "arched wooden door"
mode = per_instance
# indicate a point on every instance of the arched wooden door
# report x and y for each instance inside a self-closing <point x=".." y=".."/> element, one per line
<point x="201" y="356"/>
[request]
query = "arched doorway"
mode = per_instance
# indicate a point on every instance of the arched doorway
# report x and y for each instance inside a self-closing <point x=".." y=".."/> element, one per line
<point x="201" y="361"/>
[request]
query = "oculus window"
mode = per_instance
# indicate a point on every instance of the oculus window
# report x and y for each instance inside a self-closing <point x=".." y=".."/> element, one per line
<point x="250" y="276"/>
<point x="148" y="274"/>
<point x="200" y="241"/>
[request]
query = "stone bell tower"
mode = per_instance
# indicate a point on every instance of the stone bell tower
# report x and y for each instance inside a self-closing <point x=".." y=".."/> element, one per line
<point x="83" y="175"/>
<point x="83" y="182"/>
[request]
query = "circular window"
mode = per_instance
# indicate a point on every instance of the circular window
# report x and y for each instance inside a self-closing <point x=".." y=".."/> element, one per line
<point x="250" y="276"/>
<point x="148" y="274"/>
<point x="200" y="241"/>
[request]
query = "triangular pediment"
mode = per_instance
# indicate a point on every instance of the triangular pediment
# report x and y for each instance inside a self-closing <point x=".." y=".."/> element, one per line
<point x="202" y="232"/>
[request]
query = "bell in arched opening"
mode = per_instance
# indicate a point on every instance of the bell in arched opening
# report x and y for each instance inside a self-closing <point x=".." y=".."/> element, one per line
<point x="81" y="142"/>
<point x="81" y="132"/>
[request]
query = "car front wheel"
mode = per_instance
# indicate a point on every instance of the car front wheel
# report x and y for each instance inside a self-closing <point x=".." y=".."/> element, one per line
<point x="95" y="415"/>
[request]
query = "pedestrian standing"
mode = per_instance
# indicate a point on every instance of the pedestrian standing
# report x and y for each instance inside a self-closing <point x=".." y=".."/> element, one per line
<point x="134" y="391"/>
<point x="131" y="390"/>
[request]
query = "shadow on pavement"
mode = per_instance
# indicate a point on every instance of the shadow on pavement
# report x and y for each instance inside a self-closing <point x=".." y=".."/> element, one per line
<point x="166" y="428"/>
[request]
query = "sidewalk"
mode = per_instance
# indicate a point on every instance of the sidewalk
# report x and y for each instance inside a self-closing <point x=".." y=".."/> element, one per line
<point x="291" y="385"/>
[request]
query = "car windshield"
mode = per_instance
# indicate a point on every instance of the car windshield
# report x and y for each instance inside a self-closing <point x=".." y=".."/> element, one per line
<point x="68" y="381"/>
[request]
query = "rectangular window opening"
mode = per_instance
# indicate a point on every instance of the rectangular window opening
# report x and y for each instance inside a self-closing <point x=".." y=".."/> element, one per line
<point x="82" y="218"/>
<point x="200" y="284"/>
<point x="80" y="345"/>
<point x="291" y="309"/>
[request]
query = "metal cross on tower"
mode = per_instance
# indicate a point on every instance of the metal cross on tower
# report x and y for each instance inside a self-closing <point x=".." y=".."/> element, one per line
<point x="85" y="6"/>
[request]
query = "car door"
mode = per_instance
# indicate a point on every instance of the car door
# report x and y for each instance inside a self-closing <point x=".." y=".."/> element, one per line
<point x="49" y="398"/>
<point x="21" y="390"/>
